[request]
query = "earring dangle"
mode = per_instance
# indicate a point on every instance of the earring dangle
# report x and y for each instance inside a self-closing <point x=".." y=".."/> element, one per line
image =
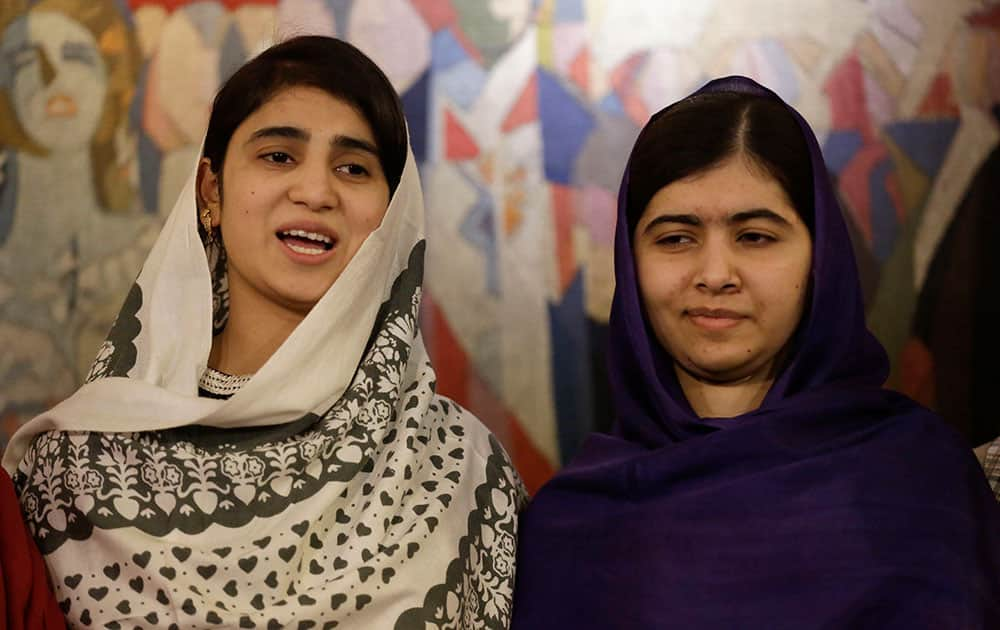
<point x="206" y="222"/>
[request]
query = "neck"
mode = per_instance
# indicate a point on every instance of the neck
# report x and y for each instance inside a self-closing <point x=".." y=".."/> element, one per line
<point x="255" y="330"/>
<point x="711" y="399"/>
<point x="62" y="174"/>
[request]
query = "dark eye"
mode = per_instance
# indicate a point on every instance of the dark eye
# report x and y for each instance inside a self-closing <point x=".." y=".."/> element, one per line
<point x="278" y="157"/>
<point x="83" y="53"/>
<point x="355" y="170"/>
<point x="674" y="240"/>
<point x="756" y="238"/>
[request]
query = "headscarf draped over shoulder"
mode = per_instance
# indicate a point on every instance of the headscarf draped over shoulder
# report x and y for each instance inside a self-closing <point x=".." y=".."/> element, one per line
<point x="335" y="486"/>
<point x="834" y="504"/>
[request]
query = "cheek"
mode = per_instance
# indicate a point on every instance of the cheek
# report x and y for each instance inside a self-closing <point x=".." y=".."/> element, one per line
<point x="661" y="287"/>
<point x="785" y="294"/>
<point x="373" y="210"/>
<point x="372" y="221"/>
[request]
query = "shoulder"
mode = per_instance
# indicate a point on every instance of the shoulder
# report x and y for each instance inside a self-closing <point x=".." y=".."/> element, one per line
<point x="921" y="449"/>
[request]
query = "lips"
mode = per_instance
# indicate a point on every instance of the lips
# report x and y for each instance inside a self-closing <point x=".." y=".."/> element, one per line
<point x="714" y="318"/>
<point x="720" y="313"/>
<point x="307" y="242"/>
<point x="60" y="106"/>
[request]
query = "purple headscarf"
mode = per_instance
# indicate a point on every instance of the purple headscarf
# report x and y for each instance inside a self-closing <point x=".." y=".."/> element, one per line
<point x="834" y="504"/>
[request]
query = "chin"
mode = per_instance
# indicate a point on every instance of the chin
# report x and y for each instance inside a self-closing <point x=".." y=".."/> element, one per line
<point x="303" y="303"/>
<point x="720" y="370"/>
<point x="298" y="301"/>
<point x="304" y="294"/>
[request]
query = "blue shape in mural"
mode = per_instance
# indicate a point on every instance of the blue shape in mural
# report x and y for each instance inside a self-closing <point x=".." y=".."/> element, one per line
<point x="611" y="104"/>
<point x="125" y="12"/>
<point x="446" y="50"/>
<point x="884" y="220"/>
<point x="147" y="150"/>
<point x="925" y="142"/>
<point x="8" y="193"/>
<point x="341" y="10"/>
<point x="840" y="147"/>
<point x="477" y="228"/>
<point x="415" y="105"/>
<point x="565" y="126"/>
<point x="569" y="11"/>
<point x="204" y="17"/>
<point x="462" y="83"/>
<point x="571" y="378"/>
<point x="232" y="53"/>
<point x="149" y="174"/>
<point x="783" y="69"/>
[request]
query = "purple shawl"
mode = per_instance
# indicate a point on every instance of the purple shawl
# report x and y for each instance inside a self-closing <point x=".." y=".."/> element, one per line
<point x="835" y="504"/>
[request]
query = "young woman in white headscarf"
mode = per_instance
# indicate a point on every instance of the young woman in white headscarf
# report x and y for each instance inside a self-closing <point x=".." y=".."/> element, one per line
<point x="259" y="443"/>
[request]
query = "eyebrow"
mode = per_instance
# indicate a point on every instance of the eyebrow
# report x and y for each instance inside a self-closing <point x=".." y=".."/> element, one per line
<point x="292" y="133"/>
<point x="19" y="48"/>
<point x="80" y="52"/>
<point x="297" y="133"/>
<point x="350" y="142"/>
<point x="738" y="217"/>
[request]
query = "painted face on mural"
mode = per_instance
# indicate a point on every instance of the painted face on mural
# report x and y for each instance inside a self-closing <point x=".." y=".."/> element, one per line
<point x="302" y="190"/>
<point x="723" y="263"/>
<point x="59" y="79"/>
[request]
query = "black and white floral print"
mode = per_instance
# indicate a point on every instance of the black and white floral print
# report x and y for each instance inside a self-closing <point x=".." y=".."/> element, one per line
<point x="217" y="262"/>
<point x="157" y="484"/>
<point x="336" y="488"/>
<point x="479" y="582"/>
<point x="117" y="354"/>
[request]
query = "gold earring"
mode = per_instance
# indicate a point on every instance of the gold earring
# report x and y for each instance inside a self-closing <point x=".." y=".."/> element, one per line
<point x="206" y="222"/>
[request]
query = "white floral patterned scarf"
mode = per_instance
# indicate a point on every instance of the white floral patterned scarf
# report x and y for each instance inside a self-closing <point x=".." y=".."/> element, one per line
<point x="334" y="489"/>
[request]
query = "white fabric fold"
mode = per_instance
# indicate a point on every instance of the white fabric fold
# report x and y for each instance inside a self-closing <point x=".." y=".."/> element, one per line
<point x="336" y="485"/>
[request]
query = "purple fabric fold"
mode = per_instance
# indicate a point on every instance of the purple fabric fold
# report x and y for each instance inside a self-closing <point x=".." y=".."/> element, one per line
<point x="835" y="504"/>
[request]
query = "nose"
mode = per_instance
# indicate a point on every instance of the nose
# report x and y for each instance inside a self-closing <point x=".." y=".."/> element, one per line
<point x="314" y="186"/>
<point x="718" y="270"/>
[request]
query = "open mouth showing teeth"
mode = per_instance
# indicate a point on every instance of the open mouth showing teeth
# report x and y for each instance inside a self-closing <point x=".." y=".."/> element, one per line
<point x="302" y="242"/>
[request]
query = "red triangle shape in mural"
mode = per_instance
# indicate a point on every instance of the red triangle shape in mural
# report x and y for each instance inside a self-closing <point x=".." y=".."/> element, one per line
<point x="525" y="110"/>
<point x="940" y="99"/>
<point x="459" y="144"/>
<point x="579" y="70"/>
<point x="437" y="14"/>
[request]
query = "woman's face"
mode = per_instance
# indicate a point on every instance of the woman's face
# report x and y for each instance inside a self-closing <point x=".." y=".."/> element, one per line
<point x="302" y="189"/>
<point x="59" y="79"/>
<point x="723" y="263"/>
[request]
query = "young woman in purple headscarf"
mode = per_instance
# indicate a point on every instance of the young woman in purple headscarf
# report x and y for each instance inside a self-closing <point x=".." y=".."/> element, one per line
<point x="757" y="475"/>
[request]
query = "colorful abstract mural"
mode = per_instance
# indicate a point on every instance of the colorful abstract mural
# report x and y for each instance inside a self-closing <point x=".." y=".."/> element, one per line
<point x="521" y="116"/>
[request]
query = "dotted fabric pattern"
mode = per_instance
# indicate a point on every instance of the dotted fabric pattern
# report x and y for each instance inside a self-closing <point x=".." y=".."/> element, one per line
<point x="394" y="508"/>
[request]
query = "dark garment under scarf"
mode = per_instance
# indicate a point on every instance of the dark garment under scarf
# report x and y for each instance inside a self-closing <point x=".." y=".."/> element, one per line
<point x="836" y="504"/>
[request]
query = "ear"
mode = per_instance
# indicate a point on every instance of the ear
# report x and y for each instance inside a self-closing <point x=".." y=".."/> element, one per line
<point x="207" y="190"/>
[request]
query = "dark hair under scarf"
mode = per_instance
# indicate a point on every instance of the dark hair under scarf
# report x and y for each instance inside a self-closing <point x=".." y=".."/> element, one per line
<point x="324" y="63"/>
<point x="834" y="504"/>
<point x="704" y="130"/>
<point x="833" y="344"/>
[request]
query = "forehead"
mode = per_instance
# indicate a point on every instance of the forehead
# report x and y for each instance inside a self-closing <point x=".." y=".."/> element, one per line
<point x="310" y="109"/>
<point x="721" y="190"/>
<point x="53" y="28"/>
<point x="46" y="28"/>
